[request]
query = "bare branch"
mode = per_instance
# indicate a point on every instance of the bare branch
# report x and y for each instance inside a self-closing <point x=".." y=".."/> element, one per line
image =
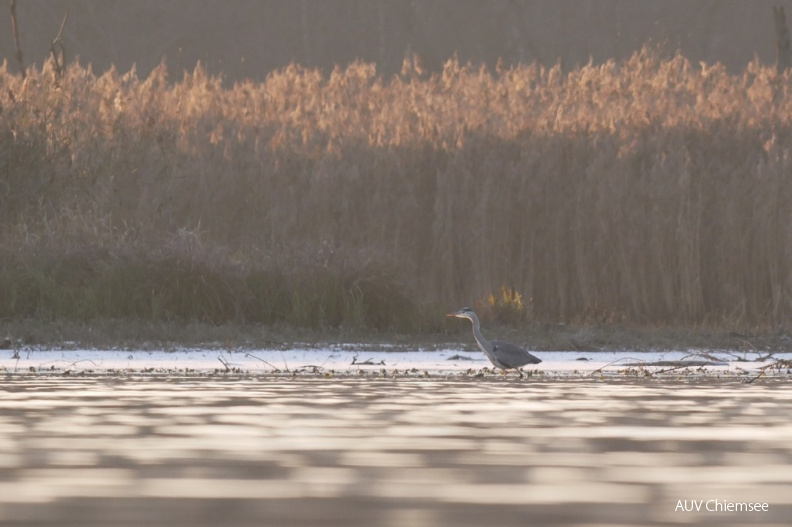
<point x="783" y="53"/>
<point x="58" y="41"/>
<point x="15" y="27"/>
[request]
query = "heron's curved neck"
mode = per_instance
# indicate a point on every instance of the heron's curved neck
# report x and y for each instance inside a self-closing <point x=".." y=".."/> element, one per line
<point x="482" y="342"/>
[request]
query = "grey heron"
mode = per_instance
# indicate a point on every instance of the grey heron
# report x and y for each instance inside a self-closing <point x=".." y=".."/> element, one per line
<point x="503" y="355"/>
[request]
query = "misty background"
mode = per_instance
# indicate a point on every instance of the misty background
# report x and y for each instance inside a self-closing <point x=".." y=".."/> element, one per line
<point x="249" y="38"/>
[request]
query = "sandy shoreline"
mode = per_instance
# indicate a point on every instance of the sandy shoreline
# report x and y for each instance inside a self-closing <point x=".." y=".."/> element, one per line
<point x="339" y="360"/>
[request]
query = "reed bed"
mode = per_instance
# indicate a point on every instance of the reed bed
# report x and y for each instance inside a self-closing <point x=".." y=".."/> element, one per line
<point x="650" y="191"/>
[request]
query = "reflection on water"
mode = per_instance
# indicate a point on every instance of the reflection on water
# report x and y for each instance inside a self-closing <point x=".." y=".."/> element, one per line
<point x="310" y="451"/>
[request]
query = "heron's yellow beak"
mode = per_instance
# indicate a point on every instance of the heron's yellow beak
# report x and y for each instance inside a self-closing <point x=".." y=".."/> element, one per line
<point x="452" y="315"/>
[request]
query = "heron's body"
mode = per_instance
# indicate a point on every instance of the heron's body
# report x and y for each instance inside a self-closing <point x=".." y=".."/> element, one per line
<point x="504" y="355"/>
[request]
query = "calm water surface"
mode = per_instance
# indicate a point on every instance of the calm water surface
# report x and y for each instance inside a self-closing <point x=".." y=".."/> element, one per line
<point x="387" y="452"/>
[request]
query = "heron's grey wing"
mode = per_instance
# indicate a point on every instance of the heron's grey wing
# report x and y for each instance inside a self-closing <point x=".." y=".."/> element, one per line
<point x="513" y="356"/>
